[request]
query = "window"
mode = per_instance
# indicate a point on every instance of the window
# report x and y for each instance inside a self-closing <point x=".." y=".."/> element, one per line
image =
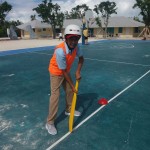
<point x="110" y="30"/>
<point x="39" y="30"/>
<point x="44" y="29"/>
<point x="120" y="29"/>
<point x="136" y="30"/>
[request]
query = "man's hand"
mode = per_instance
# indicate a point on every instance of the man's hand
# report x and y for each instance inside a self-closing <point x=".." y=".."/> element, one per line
<point x="69" y="80"/>
<point x="78" y="75"/>
<point x="74" y="90"/>
<point x="80" y="63"/>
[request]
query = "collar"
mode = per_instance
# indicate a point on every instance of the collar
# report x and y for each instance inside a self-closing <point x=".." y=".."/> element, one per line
<point x="68" y="51"/>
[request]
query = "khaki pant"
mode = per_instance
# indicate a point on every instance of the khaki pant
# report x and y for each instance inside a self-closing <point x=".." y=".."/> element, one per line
<point x="56" y="82"/>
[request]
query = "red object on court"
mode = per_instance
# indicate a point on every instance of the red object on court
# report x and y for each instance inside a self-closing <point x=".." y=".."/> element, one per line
<point x="103" y="101"/>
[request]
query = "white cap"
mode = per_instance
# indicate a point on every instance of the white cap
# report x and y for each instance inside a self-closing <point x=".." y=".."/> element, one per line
<point x="73" y="29"/>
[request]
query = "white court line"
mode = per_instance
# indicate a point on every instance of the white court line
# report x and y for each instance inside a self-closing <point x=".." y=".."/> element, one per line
<point x="111" y="46"/>
<point x="104" y="60"/>
<point x="118" y="62"/>
<point x="86" y="119"/>
<point x="41" y="53"/>
<point x="4" y="128"/>
<point x="27" y="52"/>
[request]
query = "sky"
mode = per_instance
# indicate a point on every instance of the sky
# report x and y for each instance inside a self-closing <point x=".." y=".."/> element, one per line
<point x="22" y="9"/>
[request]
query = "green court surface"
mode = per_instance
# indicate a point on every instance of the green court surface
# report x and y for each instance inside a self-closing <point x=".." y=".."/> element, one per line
<point x="118" y="70"/>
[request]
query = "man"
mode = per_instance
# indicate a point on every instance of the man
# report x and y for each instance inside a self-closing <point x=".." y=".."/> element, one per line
<point x="59" y="68"/>
<point x="60" y="36"/>
<point x="8" y="32"/>
<point x="85" y="33"/>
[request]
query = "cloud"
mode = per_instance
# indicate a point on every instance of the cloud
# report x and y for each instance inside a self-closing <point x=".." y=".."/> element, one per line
<point x="125" y="8"/>
<point x="22" y="9"/>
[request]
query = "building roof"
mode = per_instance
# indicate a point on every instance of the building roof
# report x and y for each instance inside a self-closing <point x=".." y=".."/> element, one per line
<point x="72" y="21"/>
<point x="121" y="22"/>
<point x="34" y="24"/>
<point x="113" y="22"/>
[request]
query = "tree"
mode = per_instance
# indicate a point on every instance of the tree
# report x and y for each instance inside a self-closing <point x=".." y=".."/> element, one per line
<point x="136" y="19"/>
<point x="99" y="23"/>
<point x="15" y="23"/>
<point x="77" y="12"/>
<point x="60" y="20"/>
<point x="4" y="10"/>
<point x="106" y="9"/>
<point x="33" y="17"/>
<point x="50" y="13"/>
<point x="144" y="6"/>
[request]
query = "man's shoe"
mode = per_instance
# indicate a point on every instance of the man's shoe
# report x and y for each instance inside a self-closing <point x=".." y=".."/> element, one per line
<point x="51" y="129"/>
<point x="76" y="113"/>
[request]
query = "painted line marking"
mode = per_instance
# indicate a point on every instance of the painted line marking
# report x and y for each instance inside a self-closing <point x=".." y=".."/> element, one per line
<point x="86" y="119"/>
<point x="117" y="46"/>
<point x="108" y="61"/>
<point x="4" y="128"/>
<point x="41" y="53"/>
<point x="119" y="62"/>
<point x="24" y="51"/>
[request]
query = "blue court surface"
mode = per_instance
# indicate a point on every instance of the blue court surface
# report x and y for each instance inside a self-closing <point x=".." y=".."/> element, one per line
<point x="118" y="70"/>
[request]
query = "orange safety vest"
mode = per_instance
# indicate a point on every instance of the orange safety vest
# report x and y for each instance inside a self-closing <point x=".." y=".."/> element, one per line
<point x="53" y="66"/>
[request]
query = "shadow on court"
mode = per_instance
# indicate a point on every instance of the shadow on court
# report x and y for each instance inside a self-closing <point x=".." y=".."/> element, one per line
<point x="84" y="103"/>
